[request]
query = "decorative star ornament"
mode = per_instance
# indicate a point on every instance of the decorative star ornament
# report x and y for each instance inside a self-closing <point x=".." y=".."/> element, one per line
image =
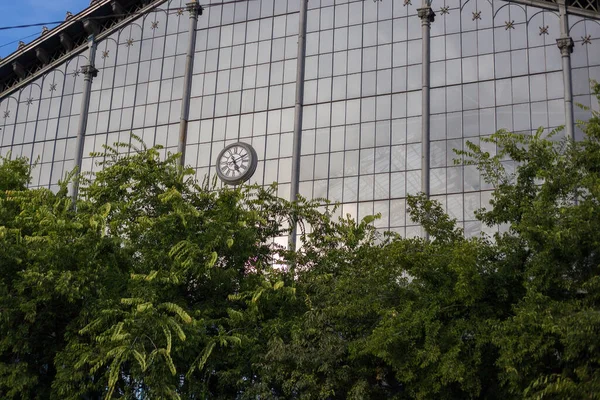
<point x="509" y="25"/>
<point x="105" y="54"/>
<point x="544" y="30"/>
<point x="53" y="87"/>
<point x="476" y="15"/>
<point x="179" y="12"/>
<point x="129" y="42"/>
<point x="29" y="101"/>
<point x="445" y="10"/>
<point x="75" y="73"/>
<point x="154" y="25"/>
<point x="407" y="3"/>
<point x="6" y="114"/>
<point x="586" y="40"/>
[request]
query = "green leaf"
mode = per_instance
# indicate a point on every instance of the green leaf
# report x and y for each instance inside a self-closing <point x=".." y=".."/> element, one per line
<point x="174" y="308"/>
<point x="257" y="295"/>
<point x="200" y="362"/>
<point x="213" y="259"/>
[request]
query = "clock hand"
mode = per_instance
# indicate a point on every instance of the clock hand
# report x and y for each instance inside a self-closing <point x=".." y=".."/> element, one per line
<point x="235" y="166"/>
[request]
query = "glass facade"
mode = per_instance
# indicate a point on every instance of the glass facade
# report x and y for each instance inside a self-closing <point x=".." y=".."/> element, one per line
<point x="493" y="65"/>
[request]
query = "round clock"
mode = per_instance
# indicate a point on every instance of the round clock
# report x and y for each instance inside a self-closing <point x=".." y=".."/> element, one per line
<point x="236" y="163"/>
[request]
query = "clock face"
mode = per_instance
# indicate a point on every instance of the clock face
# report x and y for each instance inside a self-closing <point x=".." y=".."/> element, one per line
<point x="236" y="163"/>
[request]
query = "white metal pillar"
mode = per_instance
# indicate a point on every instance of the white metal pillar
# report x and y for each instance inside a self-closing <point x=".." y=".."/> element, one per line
<point x="89" y="73"/>
<point x="427" y="16"/>
<point x="298" y="114"/>
<point x="565" y="44"/>
<point x="194" y="10"/>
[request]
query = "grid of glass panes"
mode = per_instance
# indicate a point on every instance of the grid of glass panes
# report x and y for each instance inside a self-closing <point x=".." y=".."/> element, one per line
<point x="362" y="114"/>
<point x="243" y="87"/>
<point x="494" y="66"/>
<point x="41" y="123"/>
<point x="361" y="128"/>
<point x="140" y="82"/>
<point x="8" y="111"/>
<point x="585" y="64"/>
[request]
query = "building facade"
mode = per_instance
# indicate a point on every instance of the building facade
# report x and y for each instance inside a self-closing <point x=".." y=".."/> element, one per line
<point x="358" y="101"/>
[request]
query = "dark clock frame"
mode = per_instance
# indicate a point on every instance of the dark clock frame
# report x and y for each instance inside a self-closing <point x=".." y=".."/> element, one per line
<point x="252" y="164"/>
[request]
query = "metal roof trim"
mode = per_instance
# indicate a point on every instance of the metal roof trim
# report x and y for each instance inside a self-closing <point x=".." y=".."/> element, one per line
<point x="77" y="50"/>
<point x="54" y="31"/>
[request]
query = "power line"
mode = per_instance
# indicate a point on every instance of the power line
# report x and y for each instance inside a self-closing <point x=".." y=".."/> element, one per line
<point x="18" y="40"/>
<point x="169" y="11"/>
<point x="3" y="28"/>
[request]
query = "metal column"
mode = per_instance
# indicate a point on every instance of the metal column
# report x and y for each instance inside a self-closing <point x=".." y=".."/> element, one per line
<point x="298" y="114"/>
<point x="194" y="9"/>
<point x="427" y="17"/>
<point x="89" y="73"/>
<point x="565" y="44"/>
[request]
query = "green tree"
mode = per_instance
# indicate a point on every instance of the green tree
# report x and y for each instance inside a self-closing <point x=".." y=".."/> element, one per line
<point x="389" y="317"/>
<point x="45" y="255"/>
<point x="548" y="345"/>
<point x="155" y="286"/>
<point x="174" y="329"/>
<point x="509" y="317"/>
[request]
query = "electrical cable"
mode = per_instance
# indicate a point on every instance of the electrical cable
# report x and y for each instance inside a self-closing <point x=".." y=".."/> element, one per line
<point x="18" y="40"/>
<point x="3" y="28"/>
<point x="169" y="11"/>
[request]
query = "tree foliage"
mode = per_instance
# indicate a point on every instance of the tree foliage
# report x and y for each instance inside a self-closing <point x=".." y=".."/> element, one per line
<point x="154" y="286"/>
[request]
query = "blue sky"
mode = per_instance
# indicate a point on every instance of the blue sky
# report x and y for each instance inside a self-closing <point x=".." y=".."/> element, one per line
<point x="21" y="12"/>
